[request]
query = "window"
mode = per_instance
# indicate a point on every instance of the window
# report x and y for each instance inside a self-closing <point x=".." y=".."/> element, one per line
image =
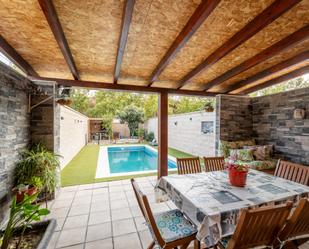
<point x="207" y="127"/>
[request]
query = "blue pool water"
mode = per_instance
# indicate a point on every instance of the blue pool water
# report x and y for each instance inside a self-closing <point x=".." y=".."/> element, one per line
<point x="133" y="158"/>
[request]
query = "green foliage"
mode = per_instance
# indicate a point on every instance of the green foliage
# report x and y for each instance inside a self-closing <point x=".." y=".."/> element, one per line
<point x="80" y="101"/>
<point x="37" y="162"/>
<point x="141" y="133"/>
<point x="282" y="87"/>
<point x="179" y="105"/>
<point x="132" y="116"/>
<point x="107" y="125"/>
<point x="149" y="137"/>
<point x="21" y="215"/>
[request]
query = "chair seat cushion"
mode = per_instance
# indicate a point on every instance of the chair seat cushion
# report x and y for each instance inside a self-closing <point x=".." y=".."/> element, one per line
<point x="173" y="225"/>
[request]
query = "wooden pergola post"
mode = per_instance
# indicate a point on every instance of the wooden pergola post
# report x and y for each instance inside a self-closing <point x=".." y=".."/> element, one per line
<point x="163" y="135"/>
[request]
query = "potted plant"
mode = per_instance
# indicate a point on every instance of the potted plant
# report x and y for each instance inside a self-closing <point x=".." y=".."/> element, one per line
<point x="64" y="101"/>
<point x="38" y="162"/>
<point x="21" y="232"/>
<point x="208" y="107"/>
<point x="30" y="188"/>
<point x="237" y="174"/>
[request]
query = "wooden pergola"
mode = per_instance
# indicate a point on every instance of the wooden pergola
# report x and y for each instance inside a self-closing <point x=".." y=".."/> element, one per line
<point x="190" y="47"/>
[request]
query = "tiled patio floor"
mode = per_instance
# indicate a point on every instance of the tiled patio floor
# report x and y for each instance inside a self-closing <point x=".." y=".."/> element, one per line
<point x="103" y="216"/>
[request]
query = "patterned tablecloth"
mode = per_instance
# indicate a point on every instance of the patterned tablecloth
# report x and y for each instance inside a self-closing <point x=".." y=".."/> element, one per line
<point x="213" y="204"/>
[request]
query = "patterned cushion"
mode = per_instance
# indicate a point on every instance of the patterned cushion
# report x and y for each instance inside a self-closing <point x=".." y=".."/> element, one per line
<point x="225" y="241"/>
<point x="261" y="152"/>
<point x="260" y="165"/>
<point x="226" y="146"/>
<point x="173" y="225"/>
<point x="242" y="154"/>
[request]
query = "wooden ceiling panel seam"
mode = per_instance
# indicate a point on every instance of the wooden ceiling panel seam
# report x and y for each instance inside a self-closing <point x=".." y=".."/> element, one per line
<point x="304" y="56"/>
<point x="55" y="25"/>
<point x="125" y="26"/>
<point x="289" y="76"/>
<point x="198" y="17"/>
<point x="268" y="15"/>
<point x="284" y="44"/>
<point x="15" y="57"/>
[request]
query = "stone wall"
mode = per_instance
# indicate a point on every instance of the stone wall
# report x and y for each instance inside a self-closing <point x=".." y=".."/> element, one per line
<point x="233" y="118"/>
<point x="185" y="132"/>
<point x="273" y="123"/>
<point x="14" y="128"/>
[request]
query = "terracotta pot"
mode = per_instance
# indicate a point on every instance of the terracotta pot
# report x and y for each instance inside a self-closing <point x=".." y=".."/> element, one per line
<point x="20" y="194"/>
<point x="237" y="178"/>
<point x="209" y="109"/>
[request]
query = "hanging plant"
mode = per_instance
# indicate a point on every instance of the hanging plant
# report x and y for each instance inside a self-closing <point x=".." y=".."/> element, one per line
<point x="64" y="101"/>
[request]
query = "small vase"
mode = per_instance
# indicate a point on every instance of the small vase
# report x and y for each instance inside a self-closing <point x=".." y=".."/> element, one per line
<point x="237" y="178"/>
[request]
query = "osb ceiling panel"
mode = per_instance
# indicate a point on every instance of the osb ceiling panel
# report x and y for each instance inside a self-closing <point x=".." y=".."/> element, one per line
<point x="155" y="25"/>
<point x="291" y="21"/>
<point x="301" y="47"/>
<point x="224" y="22"/>
<point x="25" y="28"/>
<point x="92" y="29"/>
<point x="288" y="70"/>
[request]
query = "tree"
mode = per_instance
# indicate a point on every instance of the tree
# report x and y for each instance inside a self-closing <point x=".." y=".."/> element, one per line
<point x="80" y="101"/>
<point x="132" y="116"/>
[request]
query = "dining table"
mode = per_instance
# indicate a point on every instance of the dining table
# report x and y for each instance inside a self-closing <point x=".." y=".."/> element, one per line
<point x="214" y="205"/>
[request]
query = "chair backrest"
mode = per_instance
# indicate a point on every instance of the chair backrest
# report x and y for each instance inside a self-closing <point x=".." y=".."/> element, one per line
<point x="147" y="213"/>
<point x="214" y="163"/>
<point x="259" y="227"/>
<point x="293" y="172"/>
<point x="189" y="165"/>
<point x="298" y="223"/>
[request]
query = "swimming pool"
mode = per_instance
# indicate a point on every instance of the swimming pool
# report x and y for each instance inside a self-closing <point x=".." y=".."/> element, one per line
<point x="134" y="158"/>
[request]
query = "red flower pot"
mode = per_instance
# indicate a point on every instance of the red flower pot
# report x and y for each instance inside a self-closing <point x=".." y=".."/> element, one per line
<point x="238" y="178"/>
<point x="20" y="194"/>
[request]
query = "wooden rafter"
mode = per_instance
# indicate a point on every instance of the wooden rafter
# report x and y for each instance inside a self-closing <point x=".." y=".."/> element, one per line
<point x="269" y="71"/>
<point x="267" y="53"/>
<point x="125" y="25"/>
<point x="54" y="23"/>
<point x="121" y="87"/>
<point x="280" y="79"/>
<point x="271" y="13"/>
<point x="199" y="16"/>
<point x="16" y="58"/>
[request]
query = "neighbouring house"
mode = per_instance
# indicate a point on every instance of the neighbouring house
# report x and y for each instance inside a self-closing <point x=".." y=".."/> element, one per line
<point x="74" y="130"/>
<point x="192" y="132"/>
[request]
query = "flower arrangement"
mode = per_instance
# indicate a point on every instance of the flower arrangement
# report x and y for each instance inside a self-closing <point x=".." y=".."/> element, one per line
<point x="237" y="174"/>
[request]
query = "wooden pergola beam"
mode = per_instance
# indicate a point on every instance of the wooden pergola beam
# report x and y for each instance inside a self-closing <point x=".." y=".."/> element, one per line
<point x="15" y="57"/>
<point x="271" y="13"/>
<point x="125" y="26"/>
<point x="269" y="71"/>
<point x="267" y="53"/>
<point x="121" y="87"/>
<point x="54" y="24"/>
<point x="163" y="135"/>
<point x="280" y="79"/>
<point x="198" y="17"/>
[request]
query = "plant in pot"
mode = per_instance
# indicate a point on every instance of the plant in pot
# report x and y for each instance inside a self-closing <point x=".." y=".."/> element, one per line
<point x="38" y="162"/>
<point x="30" y="187"/>
<point x="208" y="107"/>
<point x="237" y="174"/>
<point x="20" y="231"/>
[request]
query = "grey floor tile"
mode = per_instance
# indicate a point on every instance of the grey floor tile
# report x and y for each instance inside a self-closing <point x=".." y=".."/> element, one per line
<point x="71" y="237"/>
<point x="79" y="246"/>
<point x="60" y="222"/>
<point x="100" y="185"/>
<point x="99" y="217"/>
<point x="85" y="187"/>
<point x="59" y="212"/>
<point x="127" y="241"/>
<point x="98" y="232"/>
<point x="116" y="189"/>
<point x="79" y="209"/>
<point x="119" y="204"/>
<point x="99" y="206"/>
<point x="87" y="192"/>
<point x="53" y="240"/>
<point x="100" y="244"/>
<point x="114" y="183"/>
<point x="121" y="227"/>
<point x="117" y="196"/>
<point x="76" y="221"/>
<point x="100" y="191"/>
<point x="120" y="214"/>
<point x="146" y="238"/>
<point x="82" y="200"/>
<point x="140" y="223"/>
<point x="69" y="189"/>
<point x="136" y="211"/>
<point x="62" y="203"/>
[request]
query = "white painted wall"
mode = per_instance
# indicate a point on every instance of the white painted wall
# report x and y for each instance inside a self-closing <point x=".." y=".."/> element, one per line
<point x="73" y="133"/>
<point x="186" y="135"/>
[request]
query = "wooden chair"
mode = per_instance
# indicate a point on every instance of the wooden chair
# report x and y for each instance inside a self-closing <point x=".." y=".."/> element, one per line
<point x="189" y="165"/>
<point x="293" y="172"/>
<point x="161" y="235"/>
<point x="296" y="226"/>
<point x="214" y="163"/>
<point x="258" y="227"/>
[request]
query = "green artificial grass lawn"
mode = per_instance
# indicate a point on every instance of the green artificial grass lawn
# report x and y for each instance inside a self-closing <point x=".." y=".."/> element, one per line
<point x="82" y="168"/>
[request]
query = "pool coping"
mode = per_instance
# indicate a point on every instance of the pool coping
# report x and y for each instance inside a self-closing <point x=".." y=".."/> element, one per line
<point x="103" y="170"/>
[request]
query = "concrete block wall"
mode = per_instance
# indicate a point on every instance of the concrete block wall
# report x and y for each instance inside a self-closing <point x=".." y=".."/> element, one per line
<point x="14" y="128"/>
<point x="273" y="123"/>
<point x="185" y="134"/>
